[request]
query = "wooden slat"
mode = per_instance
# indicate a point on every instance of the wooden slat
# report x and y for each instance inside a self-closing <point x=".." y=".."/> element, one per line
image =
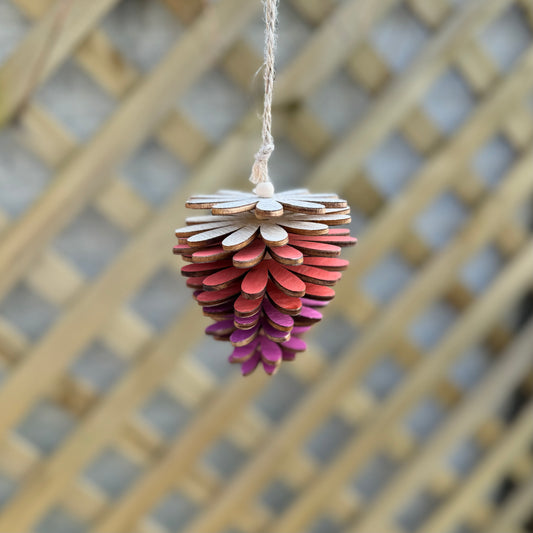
<point x="441" y="171"/>
<point x="16" y="74"/>
<point x="516" y="440"/>
<point x="330" y="47"/>
<point x="481" y="402"/>
<point x="402" y="95"/>
<point x="101" y="425"/>
<point x="515" y="512"/>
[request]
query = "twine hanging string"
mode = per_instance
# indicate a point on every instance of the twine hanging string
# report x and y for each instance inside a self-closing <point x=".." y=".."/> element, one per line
<point x="260" y="174"/>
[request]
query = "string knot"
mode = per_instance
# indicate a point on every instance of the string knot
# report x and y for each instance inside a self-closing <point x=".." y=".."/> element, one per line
<point x="265" y="152"/>
<point x="260" y="167"/>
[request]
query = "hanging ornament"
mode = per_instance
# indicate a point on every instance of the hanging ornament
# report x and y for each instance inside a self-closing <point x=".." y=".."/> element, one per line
<point x="262" y="265"/>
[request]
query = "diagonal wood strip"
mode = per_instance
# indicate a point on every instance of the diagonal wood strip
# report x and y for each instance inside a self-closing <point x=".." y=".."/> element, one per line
<point x="98" y="429"/>
<point x="438" y="174"/>
<point x="378" y="338"/>
<point x="135" y="119"/>
<point x="516" y="440"/>
<point x="480" y="404"/>
<point x="514" y="512"/>
<point x="329" y="47"/>
<point x="473" y="325"/>
<point x="16" y="72"/>
<point x="350" y="154"/>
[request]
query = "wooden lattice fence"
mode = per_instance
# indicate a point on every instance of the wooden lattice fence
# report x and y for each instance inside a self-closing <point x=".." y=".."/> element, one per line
<point x="412" y="410"/>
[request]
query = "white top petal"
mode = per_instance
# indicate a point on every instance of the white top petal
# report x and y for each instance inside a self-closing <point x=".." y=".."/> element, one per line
<point x="304" y="227"/>
<point x="209" y="218"/>
<point x="235" y="206"/>
<point x="229" y="202"/>
<point x="301" y="206"/>
<point x="198" y="228"/>
<point x="240" y="238"/>
<point x="273" y="234"/>
<point x="211" y="236"/>
<point x="268" y="207"/>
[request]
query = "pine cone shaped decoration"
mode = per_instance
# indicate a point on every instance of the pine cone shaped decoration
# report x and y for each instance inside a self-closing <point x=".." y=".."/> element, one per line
<point x="263" y="269"/>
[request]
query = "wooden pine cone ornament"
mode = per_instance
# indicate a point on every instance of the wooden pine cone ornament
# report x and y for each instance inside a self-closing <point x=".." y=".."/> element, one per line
<point x="262" y="268"/>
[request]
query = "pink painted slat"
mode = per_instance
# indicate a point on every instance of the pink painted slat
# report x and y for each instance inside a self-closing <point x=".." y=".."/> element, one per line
<point x="287" y="255"/>
<point x="319" y="292"/>
<point x="202" y="269"/>
<point x="251" y="255"/>
<point x="315" y="275"/>
<point x="246" y="307"/>
<point x="327" y="263"/>
<point x="286" y="280"/>
<point x="255" y="282"/>
<point x="285" y="303"/>
<point x="249" y="366"/>
<point x="221" y="279"/>
<point x="218" y="297"/>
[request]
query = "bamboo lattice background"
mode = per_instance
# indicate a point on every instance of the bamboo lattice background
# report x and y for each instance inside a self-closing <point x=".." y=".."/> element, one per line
<point x="412" y="410"/>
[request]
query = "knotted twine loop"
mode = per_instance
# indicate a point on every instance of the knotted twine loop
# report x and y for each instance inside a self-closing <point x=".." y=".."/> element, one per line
<point x="260" y="167"/>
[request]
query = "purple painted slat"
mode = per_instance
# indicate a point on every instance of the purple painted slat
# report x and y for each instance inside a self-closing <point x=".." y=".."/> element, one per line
<point x="243" y="353"/>
<point x="249" y="366"/>
<point x="300" y="330"/>
<point x="241" y="337"/>
<point x="288" y="356"/>
<point x="277" y="317"/>
<point x="215" y="309"/>
<point x="314" y="303"/>
<point x="310" y="313"/>
<point x="246" y="322"/>
<point x="270" y="369"/>
<point x="294" y="344"/>
<point x="220" y="328"/>
<point x="270" y="351"/>
<point x="275" y="334"/>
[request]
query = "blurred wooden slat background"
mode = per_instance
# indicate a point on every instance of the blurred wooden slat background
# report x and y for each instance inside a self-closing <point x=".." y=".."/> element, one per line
<point x="412" y="410"/>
